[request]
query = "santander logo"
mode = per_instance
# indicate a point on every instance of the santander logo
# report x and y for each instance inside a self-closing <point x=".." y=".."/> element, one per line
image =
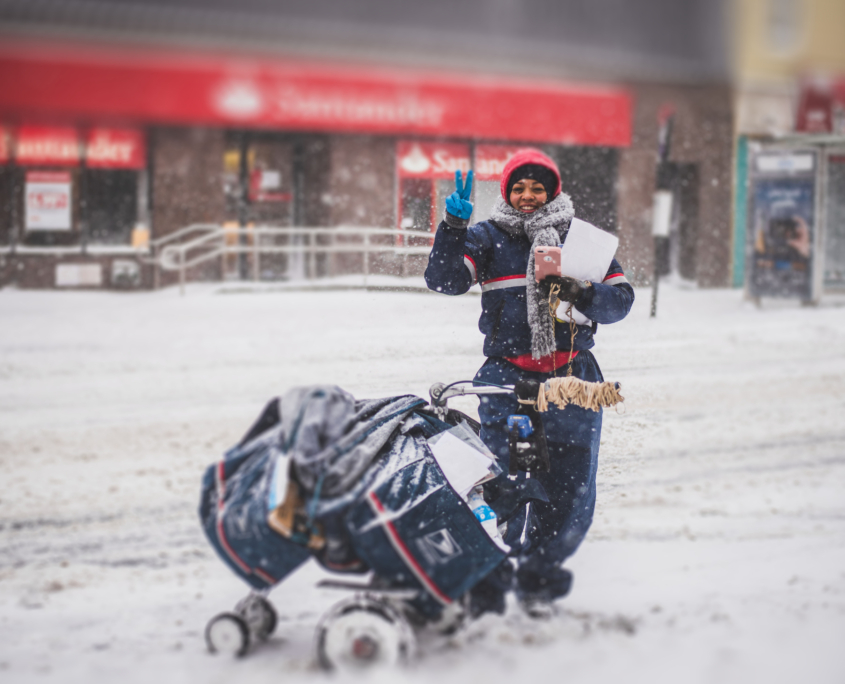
<point x="239" y="100"/>
<point x="415" y="162"/>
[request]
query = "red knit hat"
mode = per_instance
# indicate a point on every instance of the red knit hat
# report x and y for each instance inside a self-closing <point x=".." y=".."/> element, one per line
<point x="526" y="156"/>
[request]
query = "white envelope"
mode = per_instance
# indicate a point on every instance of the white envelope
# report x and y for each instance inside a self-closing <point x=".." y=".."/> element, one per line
<point x="586" y="254"/>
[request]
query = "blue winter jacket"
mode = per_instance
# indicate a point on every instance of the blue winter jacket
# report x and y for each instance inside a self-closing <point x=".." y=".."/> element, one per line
<point x="486" y="254"/>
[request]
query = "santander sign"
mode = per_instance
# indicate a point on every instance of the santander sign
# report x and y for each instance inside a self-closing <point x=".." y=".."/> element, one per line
<point x="416" y="159"/>
<point x="115" y="149"/>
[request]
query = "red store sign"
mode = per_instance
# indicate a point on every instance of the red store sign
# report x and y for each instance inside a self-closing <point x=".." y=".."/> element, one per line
<point x="431" y="160"/>
<point x="821" y="107"/>
<point x="190" y="88"/>
<point x="5" y="145"/>
<point x="490" y="160"/>
<point x="103" y="148"/>
<point x="43" y="146"/>
<point x="111" y="148"/>
<point x="415" y="159"/>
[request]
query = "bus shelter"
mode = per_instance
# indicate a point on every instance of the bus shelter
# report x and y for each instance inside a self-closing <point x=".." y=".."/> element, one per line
<point x="790" y="237"/>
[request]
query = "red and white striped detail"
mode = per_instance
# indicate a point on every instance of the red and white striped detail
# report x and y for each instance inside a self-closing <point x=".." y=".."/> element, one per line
<point x="221" y="532"/>
<point x="470" y="264"/>
<point x="615" y="279"/>
<point x="404" y="552"/>
<point x="263" y="575"/>
<point x="503" y="282"/>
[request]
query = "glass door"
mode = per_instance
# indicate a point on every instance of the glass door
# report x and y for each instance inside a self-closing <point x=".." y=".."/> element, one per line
<point x="834" y="248"/>
<point x="259" y="187"/>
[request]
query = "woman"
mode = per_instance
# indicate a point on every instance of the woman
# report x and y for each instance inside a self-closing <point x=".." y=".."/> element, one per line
<point x="522" y="340"/>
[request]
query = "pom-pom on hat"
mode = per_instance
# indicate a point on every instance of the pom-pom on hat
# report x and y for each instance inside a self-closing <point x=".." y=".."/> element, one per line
<point x="530" y="163"/>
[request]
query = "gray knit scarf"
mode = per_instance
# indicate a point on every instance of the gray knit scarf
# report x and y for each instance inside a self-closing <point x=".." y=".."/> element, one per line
<point x="545" y="227"/>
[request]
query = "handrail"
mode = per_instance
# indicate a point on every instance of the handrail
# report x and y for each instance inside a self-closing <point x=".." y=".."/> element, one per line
<point x="176" y="235"/>
<point x="213" y="244"/>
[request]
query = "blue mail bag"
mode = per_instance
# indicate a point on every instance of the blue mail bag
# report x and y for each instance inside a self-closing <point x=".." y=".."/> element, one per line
<point x="398" y="516"/>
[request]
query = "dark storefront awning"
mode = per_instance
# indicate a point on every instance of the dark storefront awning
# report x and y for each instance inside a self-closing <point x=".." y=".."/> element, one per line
<point x="154" y="86"/>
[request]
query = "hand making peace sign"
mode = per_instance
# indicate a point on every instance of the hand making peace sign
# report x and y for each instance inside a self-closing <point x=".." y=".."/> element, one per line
<point x="458" y="203"/>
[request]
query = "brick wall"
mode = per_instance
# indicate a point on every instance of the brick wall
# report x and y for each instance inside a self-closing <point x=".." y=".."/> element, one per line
<point x="703" y="136"/>
<point x="187" y="185"/>
<point x="362" y="191"/>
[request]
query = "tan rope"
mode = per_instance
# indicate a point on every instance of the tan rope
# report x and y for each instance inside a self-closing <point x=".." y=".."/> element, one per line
<point x="542" y="404"/>
<point x="571" y="390"/>
<point x="554" y="302"/>
<point x="573" y="331"/>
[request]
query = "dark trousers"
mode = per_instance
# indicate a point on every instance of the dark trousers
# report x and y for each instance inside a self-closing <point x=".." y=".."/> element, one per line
<point x="555" y="529"/>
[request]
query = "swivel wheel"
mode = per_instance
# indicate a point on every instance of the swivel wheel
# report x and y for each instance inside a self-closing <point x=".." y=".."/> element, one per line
<point x="363" y="633"/>
<point x="227" y="633"/>
<point x="259" y="615"/>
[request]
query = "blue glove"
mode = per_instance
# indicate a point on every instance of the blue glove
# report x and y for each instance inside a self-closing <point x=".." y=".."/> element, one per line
<point x="458" y="203"/>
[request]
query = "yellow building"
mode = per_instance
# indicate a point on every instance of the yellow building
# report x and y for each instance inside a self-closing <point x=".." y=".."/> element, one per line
<point x="781" y="49"/>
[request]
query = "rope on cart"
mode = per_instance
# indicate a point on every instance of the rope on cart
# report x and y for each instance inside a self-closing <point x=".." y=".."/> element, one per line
<point x="554" y="302"/>
<point x="573" y="331"/>
<point x="571" y="390"/>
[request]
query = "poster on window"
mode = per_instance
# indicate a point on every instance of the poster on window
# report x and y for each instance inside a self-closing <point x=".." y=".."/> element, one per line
<point x="48" y="200"/>
<point x="781" y="238"/>
<point x="265" y="185"/>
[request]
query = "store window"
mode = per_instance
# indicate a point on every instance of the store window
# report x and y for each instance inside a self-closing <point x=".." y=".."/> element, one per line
<point x="259" y="187"/>
<point x="416" y="204"/>
<point x="426" y="173"/>
<point x="47" y="161"/>
<point x="258" y="182"/>
<point x="112" y="205"/>
<point x="63" y="186"/>
<point x="427" y="176"/>
<point x="490" y="162"/>
<point x="114" y="186"/>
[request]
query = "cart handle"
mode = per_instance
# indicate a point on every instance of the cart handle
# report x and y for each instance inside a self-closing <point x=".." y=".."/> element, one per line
<point x="440" y="393"/>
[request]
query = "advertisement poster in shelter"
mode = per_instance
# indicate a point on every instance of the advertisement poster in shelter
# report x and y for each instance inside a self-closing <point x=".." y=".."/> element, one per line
<point x="782" y="235"/>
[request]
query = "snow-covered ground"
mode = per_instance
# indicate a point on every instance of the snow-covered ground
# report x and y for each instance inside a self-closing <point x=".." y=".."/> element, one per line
<point x="717" y="552"/>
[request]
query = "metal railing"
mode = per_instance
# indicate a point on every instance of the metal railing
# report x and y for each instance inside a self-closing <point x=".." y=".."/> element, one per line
<point x="197" y="244"/>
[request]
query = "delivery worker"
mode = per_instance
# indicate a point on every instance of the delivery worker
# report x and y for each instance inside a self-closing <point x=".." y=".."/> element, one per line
<point x="522" y="340"/>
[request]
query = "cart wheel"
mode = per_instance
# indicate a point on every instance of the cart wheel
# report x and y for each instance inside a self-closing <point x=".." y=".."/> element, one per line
<point x="227" y="633"/>
<point x="259" y="615"/>
<point x="363" y="633"/>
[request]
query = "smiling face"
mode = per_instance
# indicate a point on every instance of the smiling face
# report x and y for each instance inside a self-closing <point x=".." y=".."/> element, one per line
<point x="528" y="195"/>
